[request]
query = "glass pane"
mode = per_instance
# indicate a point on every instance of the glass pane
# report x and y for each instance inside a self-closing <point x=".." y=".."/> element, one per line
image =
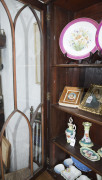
<point x="6" y="59"/>
<point x="28" y="68"/>
<point x="28" y="73"/>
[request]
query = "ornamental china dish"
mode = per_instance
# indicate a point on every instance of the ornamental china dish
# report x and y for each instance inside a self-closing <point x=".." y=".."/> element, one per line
<point x="89" y="154"/>
<point x="77" y="39"/>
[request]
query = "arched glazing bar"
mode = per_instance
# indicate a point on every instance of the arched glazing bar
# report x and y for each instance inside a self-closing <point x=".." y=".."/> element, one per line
<point x="30" y="135"/>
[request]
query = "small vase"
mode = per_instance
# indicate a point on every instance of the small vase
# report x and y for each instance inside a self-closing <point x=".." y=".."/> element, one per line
<point x="86" y="141"/>
<point x="70" y="131"/>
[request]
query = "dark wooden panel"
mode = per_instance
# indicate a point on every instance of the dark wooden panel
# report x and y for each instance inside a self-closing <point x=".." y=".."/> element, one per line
<point x="94" y="12"/>
<point x="58" y="123"/>
<point x="74" y="5"/>
<point x="56" y="155"/>
<point x="92" y="76"/>
<point x="61" y="18"/>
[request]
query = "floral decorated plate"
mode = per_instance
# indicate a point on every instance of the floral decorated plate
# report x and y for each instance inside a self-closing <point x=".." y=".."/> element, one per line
<point x="77" y="39"/>
<point x="99" y="37"/>
<point x="89" y="154"/>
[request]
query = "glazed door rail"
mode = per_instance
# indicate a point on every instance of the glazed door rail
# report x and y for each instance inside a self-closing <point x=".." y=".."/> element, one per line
<point x="13" y="24"/>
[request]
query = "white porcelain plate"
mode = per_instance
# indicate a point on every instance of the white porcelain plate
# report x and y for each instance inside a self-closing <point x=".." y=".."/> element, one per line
<point x="77" y="39"/>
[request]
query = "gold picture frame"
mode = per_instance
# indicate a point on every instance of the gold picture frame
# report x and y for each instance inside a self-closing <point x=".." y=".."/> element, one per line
<point x="71" y="96"/>
<point x="92" y="101"/>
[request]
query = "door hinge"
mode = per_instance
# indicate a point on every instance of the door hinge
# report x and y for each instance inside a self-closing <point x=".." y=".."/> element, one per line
<point x="48" y="96"/>
<point x="47" y="161"/>
<point x="48" y="16"/>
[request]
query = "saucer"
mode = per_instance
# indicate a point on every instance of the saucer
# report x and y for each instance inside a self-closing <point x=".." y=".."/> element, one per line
<point x="59" y="168"/>
<point x="83" y="177"/>
<point x="68" y="162"/>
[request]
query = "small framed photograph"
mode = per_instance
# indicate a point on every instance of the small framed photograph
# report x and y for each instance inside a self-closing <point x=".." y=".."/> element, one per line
<point x="71" y="96"/>
<point x="92" y="100"/>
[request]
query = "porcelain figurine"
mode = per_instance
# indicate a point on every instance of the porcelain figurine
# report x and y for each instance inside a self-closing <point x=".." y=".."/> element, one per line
<point x="100" y="151"/>
<point x="70" y="131"/>
<point x="86" y="141"/>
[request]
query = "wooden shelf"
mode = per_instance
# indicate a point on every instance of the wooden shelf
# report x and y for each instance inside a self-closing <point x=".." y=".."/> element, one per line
<point x="80" y="113"/>
<point x="90" y="174"/>
<point x="78" y="65"/>
<point x="75" y="152"/>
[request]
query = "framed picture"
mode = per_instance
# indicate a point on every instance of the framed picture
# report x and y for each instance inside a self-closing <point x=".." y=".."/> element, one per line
<point x="92" y="100"/>
<point x="71" y="96"/>
<point x="6" y="148"/>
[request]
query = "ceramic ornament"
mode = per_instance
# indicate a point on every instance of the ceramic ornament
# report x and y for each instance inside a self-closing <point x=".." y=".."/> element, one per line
<point x="100" y="151"/>
<point x="70" y="132"/>
<point x="86" y="141"/>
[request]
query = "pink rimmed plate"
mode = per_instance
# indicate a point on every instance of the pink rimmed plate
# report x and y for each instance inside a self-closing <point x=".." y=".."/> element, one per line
<point x="77" y="39"/>
<point x="99" y="37"/>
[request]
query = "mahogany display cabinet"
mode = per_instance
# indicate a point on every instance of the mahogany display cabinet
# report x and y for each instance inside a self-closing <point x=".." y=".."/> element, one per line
<point x="61" y="71"/>
<point x="65" y="72"/>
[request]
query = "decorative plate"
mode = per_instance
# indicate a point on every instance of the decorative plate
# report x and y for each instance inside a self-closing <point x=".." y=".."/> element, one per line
<point x="80" y="165"/>
<point x="77" y="39"/>
<point x="99" y="37"/>
<point x="89" y="154"/>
